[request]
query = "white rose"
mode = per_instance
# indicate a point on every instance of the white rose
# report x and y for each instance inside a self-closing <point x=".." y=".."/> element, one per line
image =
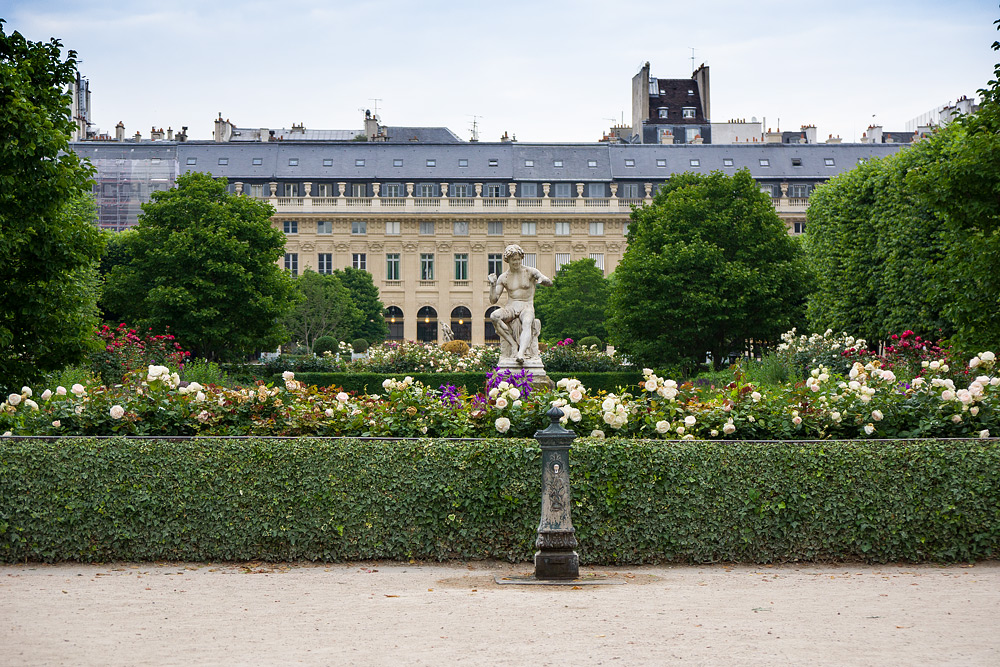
<point x="202" y="416"/>
<point x="877" y="415"/>
<point x="60" y="391"/>
<point x="342" y="397"/>
<point x="662" y="426"/>
<point x="194" y="387"/>
<point x="869" y="428"/>
<point x="751" y="419"/>
<point x="26" y="391"/>
<point x="947" y="395"/>
<point x="56" y="423"/>
<point x="386" y="383"/>
<point x="516" y="404"/>
<point x="689" y="420"/>
<point x="199" y="397"/>
<point x="14" y="399"/>
<point x="78" y="389"/>
<point x="729" y="428"/>
<point x="680" y="430"/>
<point x="988" y="356"/>
<point x="755" y="396"/>
<point x="650" y="384"/>
<point x="117" y="412"/>
<point x="924" y="364"/>
<point x="501" y="402"/>
<point x="957" y="419"/>
<point x="494" y="392"/>
<point x="288" y="375"/>
<point x="575" y="396"/>
<point x="31" y="404"/>
<point x="575" y="414"/>
<point x="974" y="362"/>
<point x="514" y="393"/>
<point x="713" y="433"/>
<point x="502" y="424"/>
<point x="328" y="412"/>
<point x="974" y="410"/>
<point x="934" y="365"/>
<point x="796" y="420"/>
<point x="608" y="405"/>
<point x="835" y="416"/>
<point x="593" y="434"/>
<point x="985" y="433"/>
<point x="944" y="368"/>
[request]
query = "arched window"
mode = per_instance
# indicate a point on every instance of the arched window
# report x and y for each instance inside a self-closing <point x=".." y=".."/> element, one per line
<point x="394" y="319"/>
<point x="427" y="325"/>
<point x="491" y="332"/>
<point x="461" y="323"/>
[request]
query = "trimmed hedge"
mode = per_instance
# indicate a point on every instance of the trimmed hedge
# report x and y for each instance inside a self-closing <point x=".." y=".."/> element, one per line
<point x="371" y="383"/>
<point x="634" y="501"/>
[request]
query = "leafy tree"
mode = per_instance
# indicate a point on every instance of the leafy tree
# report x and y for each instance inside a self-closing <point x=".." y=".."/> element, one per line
<point x="709" y="268"/>
<point x="364" y="294"/>
<point x="49" y="244"/>
<point x="323" y="307"/>
<point x="574" y="307"/>
<point x="203" y="261"/>
<point x="116" y="252"/>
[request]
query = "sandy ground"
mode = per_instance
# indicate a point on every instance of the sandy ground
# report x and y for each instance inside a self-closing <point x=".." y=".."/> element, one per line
<point x="455" y="614"/>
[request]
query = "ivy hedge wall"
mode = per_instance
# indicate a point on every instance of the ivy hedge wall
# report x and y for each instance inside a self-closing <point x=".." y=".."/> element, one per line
<point x="635" y="502"/>
<point x="371" y="383"/>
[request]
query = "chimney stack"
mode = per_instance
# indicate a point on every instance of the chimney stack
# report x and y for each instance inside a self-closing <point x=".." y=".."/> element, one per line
<point x="120" y="131"/>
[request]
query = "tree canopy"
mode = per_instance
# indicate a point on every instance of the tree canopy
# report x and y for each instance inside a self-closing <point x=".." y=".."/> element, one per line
<point x="911" y="241"/>
<point x="364" y="295"/>
<point x="574" y="306"/>
<point x="709" y="267"/>
<point x="49" y="245"/>
<point x="203" y="261"/>
<point x="323" y="307"/>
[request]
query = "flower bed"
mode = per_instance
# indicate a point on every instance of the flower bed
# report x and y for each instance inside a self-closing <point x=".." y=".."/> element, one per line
<point x="870" y="401"/>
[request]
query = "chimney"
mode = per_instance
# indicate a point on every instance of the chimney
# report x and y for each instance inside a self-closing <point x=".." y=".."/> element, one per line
<point x="810" y="132"/>
<point x="371" y="125"/>
<point x="170" y="134"/>
<point x="182" y="136"/>
<point x="223" y="129"/>
<point x="120" y="131"/>
<point x="155" y="135"/>
<point x="138" y="136"/>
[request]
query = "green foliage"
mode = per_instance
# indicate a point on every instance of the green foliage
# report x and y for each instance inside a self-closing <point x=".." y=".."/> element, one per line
<point x="579" y="359"/>
<point x="635" y="502"/>
<point x="203" y="262"/>
<point x="359" y="283"/>
<point x="359" y="345"/>
<point x="590" y="341"/>
<point x="323" y="308"/>
<point x="325" y="344"/>
<point x="709" y="267"/>
<point x="49" y="245"/>
<point x="368" y="383"/>
<point x="574" y="306"/>
<point x="116" y="253"/>
<point x="206" y="372"/>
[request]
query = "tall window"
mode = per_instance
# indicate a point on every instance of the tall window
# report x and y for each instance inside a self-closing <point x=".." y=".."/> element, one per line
<point x="562" y="190"/>
<point x="292" y="262"/>
<point x="798" y="190"/>
<point x="257" y="190"/>
<point x="562" y="228"/>
<point x="461" y="323"/>
<point x="427" y="227"/>
<point x="359" y="260"/>
<point x="529" y="228"/>
<point x="597" y="229"/>
<point x="530" y="259"/>
<point x="392" y="266"/>
<point x="494" y="190"/>
<point x="494" y="263"/>
<point x="460" y="190"/>
<point x="291" y="189"/>
<point x="460" y="228"/>
<point x="359" y="190"/>
<point x="392" y="227"/>
<point x="799" y="227"/>
<point x="427" y="325"/>
<point x="598" y="258"/>
<point x="561" y="258"/>
<point x="494" y="228"/>
<point x="324" y="227"/>
<point x="427" y="190"/>
<point x="427" y="266"/>
<point x="291" y="226"/>
<point x="359" y="227"/>
<point x="596" y="190"/>
<point x="325" y="263"/>
<point x="461" y="266"/>
<point x="529" y="190"/>
<point x="392" y="190"/>
<point x="628" y="191"/>
<point x="394" y="318"/>
<point x="323" y="190"/>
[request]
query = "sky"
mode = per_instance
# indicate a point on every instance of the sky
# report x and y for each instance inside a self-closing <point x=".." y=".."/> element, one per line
<point x="543" y="71"/>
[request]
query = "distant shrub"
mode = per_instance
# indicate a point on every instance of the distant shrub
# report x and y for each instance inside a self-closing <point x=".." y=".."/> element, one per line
<point x="203" y="371"/>
<point x="587" y="341"/>
<point x="360" y="345"/>
<point x="324" y="344"/>
<point x="457" y="347"/>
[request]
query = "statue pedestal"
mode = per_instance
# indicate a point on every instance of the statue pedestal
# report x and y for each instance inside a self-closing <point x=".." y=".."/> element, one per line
<point x="539" y="379"/>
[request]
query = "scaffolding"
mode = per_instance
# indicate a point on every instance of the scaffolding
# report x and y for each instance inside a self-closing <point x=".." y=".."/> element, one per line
<point x="124" y="182"/>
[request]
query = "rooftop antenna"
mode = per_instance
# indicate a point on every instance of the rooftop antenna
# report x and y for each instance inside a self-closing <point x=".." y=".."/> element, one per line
<point x="376" y="100"/>
<point x="692" y="59"/>
<point x="475" y="127"/>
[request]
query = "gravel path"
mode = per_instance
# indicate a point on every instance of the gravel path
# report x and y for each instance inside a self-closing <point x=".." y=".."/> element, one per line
<point x="455" y="614"/>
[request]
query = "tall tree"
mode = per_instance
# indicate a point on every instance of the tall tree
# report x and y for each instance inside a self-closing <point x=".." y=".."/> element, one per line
<point x="709" y="267"/>
<point x="323" y="307"/>
<point x="574" y="307"/>
<point x="203" y="261"/>
<point x="364" y="294"/>
<point x="49" y="245"/>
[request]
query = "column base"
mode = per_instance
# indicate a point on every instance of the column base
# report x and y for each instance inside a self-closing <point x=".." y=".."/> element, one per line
<point x="557" y="565"/>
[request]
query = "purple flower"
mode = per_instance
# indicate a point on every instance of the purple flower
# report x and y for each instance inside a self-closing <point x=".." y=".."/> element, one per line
<point x="449" y="395"/>
<point x="520" y="379"/>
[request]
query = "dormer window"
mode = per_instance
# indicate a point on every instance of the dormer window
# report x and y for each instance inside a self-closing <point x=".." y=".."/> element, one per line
<point x="662" y="112"/>
<point x="687" y="112"/>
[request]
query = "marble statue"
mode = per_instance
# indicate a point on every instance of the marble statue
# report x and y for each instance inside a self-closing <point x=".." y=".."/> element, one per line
<point x="515" y="322"/>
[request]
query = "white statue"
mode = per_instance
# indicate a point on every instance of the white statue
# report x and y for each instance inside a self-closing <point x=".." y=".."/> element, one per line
<point x="447" y="333"/>
<point x="515" y="323"/>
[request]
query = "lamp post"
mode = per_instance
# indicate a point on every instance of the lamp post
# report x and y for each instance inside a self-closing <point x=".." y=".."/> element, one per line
<point x="556" y="557"/>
